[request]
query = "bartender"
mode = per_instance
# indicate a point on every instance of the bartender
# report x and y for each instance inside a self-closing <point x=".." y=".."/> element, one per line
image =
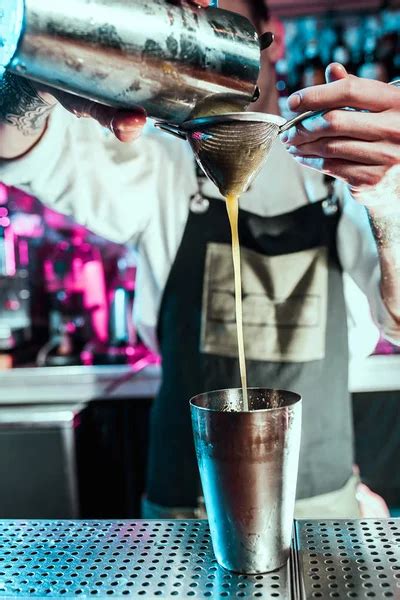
<point x="298" y="236"/>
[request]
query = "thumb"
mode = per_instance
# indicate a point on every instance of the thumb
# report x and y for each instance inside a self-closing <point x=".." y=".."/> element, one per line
<point x="335" y="72"/>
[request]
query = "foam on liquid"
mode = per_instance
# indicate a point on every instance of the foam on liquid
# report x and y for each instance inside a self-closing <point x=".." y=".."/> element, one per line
<point x="232" y="205"/>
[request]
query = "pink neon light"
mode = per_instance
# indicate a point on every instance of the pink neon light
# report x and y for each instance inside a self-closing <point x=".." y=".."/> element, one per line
<point x="25" y="225"/>
<point x="70" y="327"/>
<point x="197" y="135"/>
<point x="3" y="194"/>
<point x="10" y="251"/>
<point x="95" y="298"/>
<point x="23" y="253"/>
<point x="86" y="358"/>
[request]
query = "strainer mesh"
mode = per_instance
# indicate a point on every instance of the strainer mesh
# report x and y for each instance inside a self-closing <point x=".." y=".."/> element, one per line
<point x="232" y="153"/>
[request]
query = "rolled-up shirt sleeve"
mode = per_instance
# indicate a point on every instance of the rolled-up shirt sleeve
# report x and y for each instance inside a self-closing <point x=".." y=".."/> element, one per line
<point x="359" y="258"/>
<point x="79" y="170"/>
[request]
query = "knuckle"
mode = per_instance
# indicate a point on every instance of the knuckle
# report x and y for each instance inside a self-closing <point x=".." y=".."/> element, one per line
<point x="391" y="157"/>
<point x="350" y="88"/>
<point x="389" y="152"/>
<point x="333" y="148"/>
<point x="386" y="126"/>
<point x="391" y="126"/>
<point x="372" y="177"/>
<point x="364" y="178"/>
<point x="302" y="132"/>
<point x="334" y="120"/>
<point x="357" y="181"/>
<point x="395" y="135"/>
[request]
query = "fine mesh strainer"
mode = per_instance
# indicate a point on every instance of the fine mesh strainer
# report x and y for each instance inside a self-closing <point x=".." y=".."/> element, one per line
<point x="231" y="148"/>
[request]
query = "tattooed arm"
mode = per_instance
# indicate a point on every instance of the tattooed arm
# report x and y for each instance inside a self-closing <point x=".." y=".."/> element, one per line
<point x="385" y="225"/>
<point x="23" y="115"/>
<point x="21" y="106"/>
<point x="24" y="110"/>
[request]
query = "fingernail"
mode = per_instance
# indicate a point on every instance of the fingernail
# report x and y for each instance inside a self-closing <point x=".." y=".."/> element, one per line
<point x="127" y="135"/>
<point x="294" y="101"/>
<point x="284" y="137"/>
<point x="292" y="150"/>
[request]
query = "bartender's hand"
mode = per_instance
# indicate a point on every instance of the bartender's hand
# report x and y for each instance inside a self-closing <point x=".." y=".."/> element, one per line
<point x="361" y="148"/>
<point x="25" y="107"/>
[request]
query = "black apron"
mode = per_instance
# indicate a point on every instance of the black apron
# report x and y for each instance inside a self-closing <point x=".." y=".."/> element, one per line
<point x="295" y="335"/>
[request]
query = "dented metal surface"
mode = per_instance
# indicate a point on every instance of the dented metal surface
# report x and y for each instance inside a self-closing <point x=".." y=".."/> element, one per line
<point x="248" y="465"/>
<point x="166" y="58"/>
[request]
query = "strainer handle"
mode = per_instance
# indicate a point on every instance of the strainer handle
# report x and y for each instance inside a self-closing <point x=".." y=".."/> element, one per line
<point x="299" y="118"/>
<point x="173" y="129"/>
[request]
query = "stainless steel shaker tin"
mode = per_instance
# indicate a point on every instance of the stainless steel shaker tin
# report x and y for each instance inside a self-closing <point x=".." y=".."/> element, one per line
<point x="248" y="464"/>
<point x="167" y="58"/>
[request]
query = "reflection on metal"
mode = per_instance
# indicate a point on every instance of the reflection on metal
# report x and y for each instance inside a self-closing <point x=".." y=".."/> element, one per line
<point x="174" y="559"/>
<point x="248" y="463"/>
<point x="11" y="19"/>
<point x="167" y="559"/>
<point x="349" y="559"/>
<point x="156" y="54"/>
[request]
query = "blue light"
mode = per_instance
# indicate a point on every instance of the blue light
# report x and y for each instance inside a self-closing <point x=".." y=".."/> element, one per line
<point x="11" y="23"/>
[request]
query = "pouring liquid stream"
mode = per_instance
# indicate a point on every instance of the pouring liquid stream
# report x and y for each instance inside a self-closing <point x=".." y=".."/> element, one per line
<point x="232" y="205"/>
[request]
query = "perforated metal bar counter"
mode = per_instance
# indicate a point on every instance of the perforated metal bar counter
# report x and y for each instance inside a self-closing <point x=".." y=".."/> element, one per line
<point x="174" y="559"/>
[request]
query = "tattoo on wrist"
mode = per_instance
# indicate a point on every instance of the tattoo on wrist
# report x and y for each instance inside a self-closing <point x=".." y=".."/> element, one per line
<point x="21" y="106"/>
<point x="386" y="230"/>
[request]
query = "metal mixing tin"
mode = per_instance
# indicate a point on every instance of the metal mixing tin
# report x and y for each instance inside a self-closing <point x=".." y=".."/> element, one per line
<point x="169" y="59"/>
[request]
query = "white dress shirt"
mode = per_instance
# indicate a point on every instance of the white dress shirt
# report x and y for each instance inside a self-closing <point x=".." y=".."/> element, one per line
<point x="141" y="192"/>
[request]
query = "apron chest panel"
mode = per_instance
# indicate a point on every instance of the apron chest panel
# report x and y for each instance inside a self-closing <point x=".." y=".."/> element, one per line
<point x="285" y="302"/>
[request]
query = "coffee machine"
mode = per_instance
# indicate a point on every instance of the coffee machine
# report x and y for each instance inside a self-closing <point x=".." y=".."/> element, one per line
<point x="75" y="287"/>
<point x="122" y="345"/>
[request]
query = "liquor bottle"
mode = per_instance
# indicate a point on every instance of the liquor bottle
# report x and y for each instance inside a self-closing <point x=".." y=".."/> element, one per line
<point x="341" y="52"/>
<point x="281" y="70"/>
<point x="388" y="44"/>
<point x="354" y="36"/>
<point x="385" y="53"/>
<point x="314" y="69"/>
<point x="372" y="67"/>
<point x="395" y="74"/>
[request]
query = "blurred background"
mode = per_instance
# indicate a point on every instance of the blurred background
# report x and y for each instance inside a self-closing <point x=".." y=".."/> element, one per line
<point x="76" y="381"/>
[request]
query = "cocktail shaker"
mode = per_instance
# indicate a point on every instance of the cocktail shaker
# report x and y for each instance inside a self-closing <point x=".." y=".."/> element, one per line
<point x="173" y="59"/>
<point x="248" y="464"/>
